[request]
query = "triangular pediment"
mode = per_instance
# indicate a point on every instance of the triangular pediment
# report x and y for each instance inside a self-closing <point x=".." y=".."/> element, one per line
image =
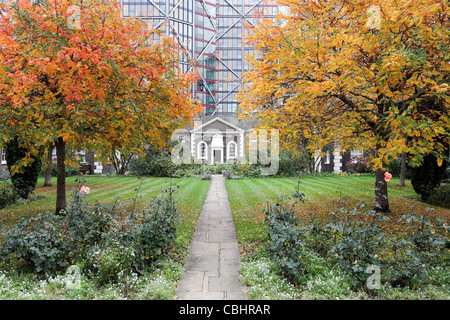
<point x="217" y="124"/>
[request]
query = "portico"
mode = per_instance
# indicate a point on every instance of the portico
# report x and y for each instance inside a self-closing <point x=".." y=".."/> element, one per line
<point x="217" y="141"/>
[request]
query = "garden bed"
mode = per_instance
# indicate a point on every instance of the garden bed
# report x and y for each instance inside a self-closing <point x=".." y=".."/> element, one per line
<point x="322" y="248"/>
<point x="104" y="247"/>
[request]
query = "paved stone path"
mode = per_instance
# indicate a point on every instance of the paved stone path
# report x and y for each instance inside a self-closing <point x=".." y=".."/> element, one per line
<point x="211" y="269"/>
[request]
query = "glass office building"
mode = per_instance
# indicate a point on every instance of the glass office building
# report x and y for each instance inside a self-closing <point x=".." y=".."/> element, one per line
<point x="211" y="35"/>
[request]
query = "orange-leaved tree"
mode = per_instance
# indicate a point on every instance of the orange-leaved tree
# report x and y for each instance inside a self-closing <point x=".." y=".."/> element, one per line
<point x="78" y="75"/>
<point x="351" y="73"/>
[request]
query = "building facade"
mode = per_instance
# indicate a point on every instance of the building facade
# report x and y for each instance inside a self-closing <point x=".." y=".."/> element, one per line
<point x="215" y="140"/>
<point x="211" y="36"/>
<point x="333" y="160"/>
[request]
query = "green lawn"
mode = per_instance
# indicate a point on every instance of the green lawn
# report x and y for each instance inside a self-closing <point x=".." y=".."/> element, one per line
<point x="190" y="197"/>
<point x="248" y="197"/>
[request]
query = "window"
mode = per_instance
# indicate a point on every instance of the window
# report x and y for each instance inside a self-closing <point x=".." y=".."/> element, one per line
<point x="200" y="85"/>
<point x="202" y="150"/>
<point x="231" y="150"/>
<point x="327" y="157"/>
<point x="232" y="107"/>
<point x="3" y="157"/>
<point x="356" y="153"/>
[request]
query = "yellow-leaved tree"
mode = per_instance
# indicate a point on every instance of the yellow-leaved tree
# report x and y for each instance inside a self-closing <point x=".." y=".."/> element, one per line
<point x="352" y="73"/>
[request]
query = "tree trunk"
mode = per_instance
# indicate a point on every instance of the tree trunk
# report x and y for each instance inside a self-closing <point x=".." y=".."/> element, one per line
<point x="48" y="170"/>
<point x="381" y="192"/>
<point x="90" y="159"/>
<point x="402" y="170"/>
<point x="61" y="178"/>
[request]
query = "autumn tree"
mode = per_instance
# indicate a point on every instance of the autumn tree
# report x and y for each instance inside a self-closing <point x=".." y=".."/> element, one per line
<point x="77" y="75"/>
<point x="350" y="73"/>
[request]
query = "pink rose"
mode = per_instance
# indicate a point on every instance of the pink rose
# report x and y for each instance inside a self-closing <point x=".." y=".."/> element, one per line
<point x="387" y="176"/>
<point x="84" y="190"/>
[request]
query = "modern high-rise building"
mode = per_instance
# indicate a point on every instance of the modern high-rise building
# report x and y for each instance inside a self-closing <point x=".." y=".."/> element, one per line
<point x="211" y="36"/>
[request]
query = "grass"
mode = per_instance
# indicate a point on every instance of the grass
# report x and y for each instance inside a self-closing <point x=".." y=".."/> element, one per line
<point x="190" y="196"/>
<point x="249" y="196"/>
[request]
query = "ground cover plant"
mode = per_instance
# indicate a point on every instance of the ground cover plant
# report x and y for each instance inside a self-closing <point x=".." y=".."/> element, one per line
<point x="323" y="243"/>
<point x="128" y="248"/>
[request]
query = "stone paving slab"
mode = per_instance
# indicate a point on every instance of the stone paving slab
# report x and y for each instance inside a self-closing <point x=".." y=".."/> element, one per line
<point x="211" y="271"/>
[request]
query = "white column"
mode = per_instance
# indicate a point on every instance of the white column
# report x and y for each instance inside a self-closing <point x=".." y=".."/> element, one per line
<point x="193" y="145"/>
<point x="98" y="167"/>
<point x="317" y="161"/>
<point x="241" y="146"/>
<point x="337" y="160"/>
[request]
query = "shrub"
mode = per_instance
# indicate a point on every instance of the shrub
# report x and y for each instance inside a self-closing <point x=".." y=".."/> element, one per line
<point x="440" y="196"/>
<point x="416" y="254"/>
<point x="286" y="236"/>
<point x="7" y="195"/>
<point x="246" y="169"/>
<point x="161" y="165"/>
<point x="206" y="175"/>
<point x="148" y="233"/>
<point x="50" y="242"/>
<point x="216" y="168"/>
<point x="358" y="240"/>
<point x="292" y="164"/>
<point x="185" y="172"/>
<point x="25" y="180"/>
<point x="288" y="164"/>
<point x="71" y="170"/>
<point x="155" y="229"/>
<point x="156" y="163"/>
<point x="39" y="243"/>
<point x="138" y="167"/>
<point x="427" y="176"/>
<point x="350" y="240"/>
<point x="228" y="174"/>
<point x="106" y="238"/>
<point x="110" y="262"/>
<point x="394" y="167"/>
<point x="358" y="164"/>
